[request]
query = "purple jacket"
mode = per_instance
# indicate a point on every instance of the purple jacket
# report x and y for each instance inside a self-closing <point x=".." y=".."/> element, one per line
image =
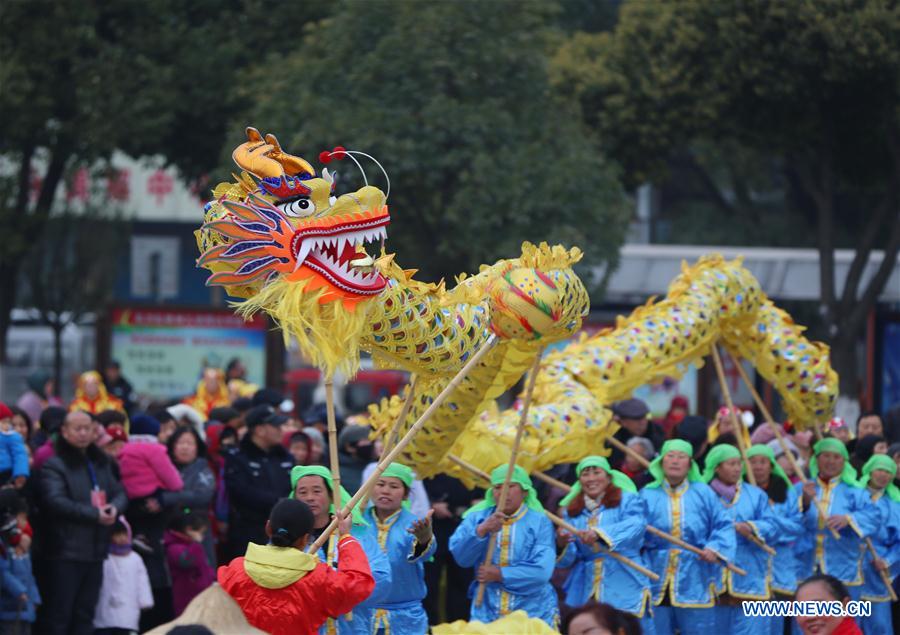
<point x="190" y="570"/>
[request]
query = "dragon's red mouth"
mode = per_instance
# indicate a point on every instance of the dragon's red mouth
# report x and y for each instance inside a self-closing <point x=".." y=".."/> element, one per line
<point x="329" y="247"/>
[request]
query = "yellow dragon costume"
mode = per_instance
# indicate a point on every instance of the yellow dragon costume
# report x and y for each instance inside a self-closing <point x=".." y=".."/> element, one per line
<point x="280" y="238"/>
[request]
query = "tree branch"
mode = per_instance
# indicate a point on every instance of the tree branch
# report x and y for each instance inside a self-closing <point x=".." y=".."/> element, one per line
<point x="59" y="157"/>
<point x="872" y="231"/>
<point x="24" y="180"/>
<point x="876" y="284"/>
<point x="821" y="191"/>
<point x="864" y="249"/>
<point x="707" y="184"/>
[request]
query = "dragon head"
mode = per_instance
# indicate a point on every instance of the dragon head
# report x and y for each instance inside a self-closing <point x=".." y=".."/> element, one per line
<point x="284" y="221"/>
<point x="280" y="238"/>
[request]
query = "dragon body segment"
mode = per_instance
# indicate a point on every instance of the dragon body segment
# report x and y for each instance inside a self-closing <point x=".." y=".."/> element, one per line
<point x="280" y="238"/>
<point x="710" y="302"/>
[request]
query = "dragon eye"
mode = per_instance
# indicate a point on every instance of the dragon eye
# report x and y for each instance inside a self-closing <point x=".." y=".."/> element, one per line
<point x="298" y="208"/>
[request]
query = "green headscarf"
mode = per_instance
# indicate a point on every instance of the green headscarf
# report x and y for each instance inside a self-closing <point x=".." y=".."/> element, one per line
<point x="617" y="478"/>
<point x="886" y="463"/>
<point x="673" y="445"/>
<point x="402" y="472"/>
<point x="498" y="476"/>
<point x="848" y="475"/>
<point x="299" y="471"/>
<point x="761" y="449"/>
<point x="717" y="455"/>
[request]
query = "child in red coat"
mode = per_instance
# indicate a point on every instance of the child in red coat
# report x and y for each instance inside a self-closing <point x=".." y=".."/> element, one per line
<point x="285" y="591"/>
<point x="191" y="571"/>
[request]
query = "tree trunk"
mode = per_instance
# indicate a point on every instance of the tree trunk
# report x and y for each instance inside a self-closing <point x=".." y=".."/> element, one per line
<point x="845" y="363"/>
<point x="57" y="354"/>
<point x="7" y="303"/>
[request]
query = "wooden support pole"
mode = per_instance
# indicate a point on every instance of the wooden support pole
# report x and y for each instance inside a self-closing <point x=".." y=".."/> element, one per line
<point x="650" y="528"/>
<point x="395" y="429"/>
<point x="737" y="423"/>
<point x="404" y="412"/>
<point x="549" y="480"/>
<point x="818" y="431"/>
<point x="884" y="576"/>
<point x="779" y="435"/>
<point x="559" y="522"/>
<point x="520" y="430"/>
<point x="759" y="543"/>
<point x="332" y="452"/>
<point x="689" y="547"/>
<point x="624" y="448"/>
<point x="628" y="562"/>
<point x="389" y="458"/>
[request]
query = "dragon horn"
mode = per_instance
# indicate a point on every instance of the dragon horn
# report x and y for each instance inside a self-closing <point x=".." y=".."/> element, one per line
<point x="253" y="135"/>
<point x="273" y="141"/>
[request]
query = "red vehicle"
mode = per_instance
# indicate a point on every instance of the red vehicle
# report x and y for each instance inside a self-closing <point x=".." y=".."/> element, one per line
<point x="368" y="387"/>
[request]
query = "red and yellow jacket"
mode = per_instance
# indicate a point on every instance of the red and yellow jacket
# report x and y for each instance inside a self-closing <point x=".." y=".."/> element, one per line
<point x="103" y="400"/>
<point x="285" y="591"/>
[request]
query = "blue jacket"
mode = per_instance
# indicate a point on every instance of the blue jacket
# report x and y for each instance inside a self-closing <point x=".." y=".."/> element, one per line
<point x="362" y="618"/>
<point x="400" y="610"/>
<point x="750" y="505"/>
<point x="13" y="454"/>
<point x="789" y="522"/>
<point x="691" y="512"/>
<point x="886" y="541"/>
<point x="596" y="575"/>
<point x="526" y="555"/>
<point x="16" y="576"/>
<point x="817" y="547"/>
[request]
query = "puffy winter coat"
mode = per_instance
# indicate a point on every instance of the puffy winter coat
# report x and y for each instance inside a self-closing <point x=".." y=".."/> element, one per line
<point x="70" y="526"/>
<point x="285" y="591"/>
<point x="191" y="573"/>
<point x="146" y="468"/>
<point x="13" y="454"/>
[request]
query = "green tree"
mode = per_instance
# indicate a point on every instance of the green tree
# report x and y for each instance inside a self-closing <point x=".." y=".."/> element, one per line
<point x="455" y="100"/>
<point x="810" y="86"/>
<point x="79" y="79"/>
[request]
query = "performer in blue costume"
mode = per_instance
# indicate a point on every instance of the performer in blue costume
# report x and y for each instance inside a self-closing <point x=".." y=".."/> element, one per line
<point x="771" y="478"/>
<point x="518" y="577"/>
<point x="312" y="484"/>
<point x="408" y="541"/>
<point x="849" y="512"/>
<point x="878" y="475"/>
<point x="748" y="508"/>
<point x="679" y="503"/>
<point x="605" y="506"/>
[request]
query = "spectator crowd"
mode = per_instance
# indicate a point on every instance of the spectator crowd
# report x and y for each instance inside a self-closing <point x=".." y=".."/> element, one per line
<point x="113" y="519"/>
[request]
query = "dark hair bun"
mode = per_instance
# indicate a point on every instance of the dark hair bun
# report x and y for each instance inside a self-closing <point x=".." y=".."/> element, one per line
<point x="290" y="520"/>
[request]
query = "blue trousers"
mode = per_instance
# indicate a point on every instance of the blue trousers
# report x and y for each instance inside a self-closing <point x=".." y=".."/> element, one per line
<point x="667" y="619"/>
<point x="879" y="622"/>
<point x="648" y="625"/>
<point x="731" y="619"/>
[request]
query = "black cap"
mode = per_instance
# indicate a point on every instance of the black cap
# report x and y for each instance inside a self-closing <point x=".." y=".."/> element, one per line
<point x="223" y="414"/>
<point x="267" y="396"/>
<point x="630" y="409"/>
<point x="242" y="404"/>
<point x="317" y="413"/>
<point x="259" y="415"/>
